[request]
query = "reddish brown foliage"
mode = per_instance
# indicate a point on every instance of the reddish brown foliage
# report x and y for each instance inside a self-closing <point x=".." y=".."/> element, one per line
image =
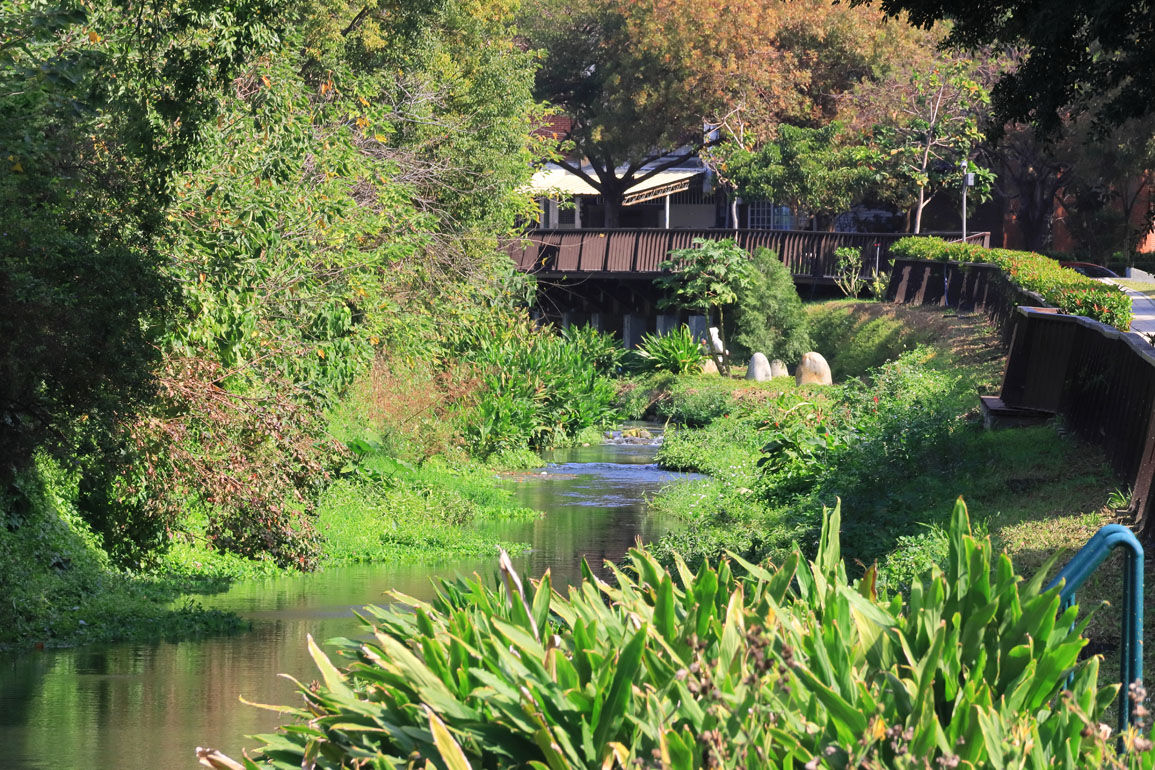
<point x="414" y="405"/>
<point x="255" y="460"/>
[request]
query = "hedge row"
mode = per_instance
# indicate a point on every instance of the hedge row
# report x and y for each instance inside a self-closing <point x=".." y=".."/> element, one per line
<point x="1065" y="289"/>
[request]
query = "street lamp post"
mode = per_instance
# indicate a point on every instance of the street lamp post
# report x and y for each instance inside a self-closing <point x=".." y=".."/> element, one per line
<point x="968" y="181"/>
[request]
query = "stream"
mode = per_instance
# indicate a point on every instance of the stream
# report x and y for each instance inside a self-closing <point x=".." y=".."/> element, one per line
<point x="148" y="706"/>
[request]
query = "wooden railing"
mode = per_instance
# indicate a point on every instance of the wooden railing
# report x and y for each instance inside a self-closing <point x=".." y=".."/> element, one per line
<point x="805" y="252"/>
<point x="1101" y="380"/>
<point x="968" y="286"/>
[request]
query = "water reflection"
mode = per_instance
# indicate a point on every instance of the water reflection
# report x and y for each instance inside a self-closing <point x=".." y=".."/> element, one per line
<point x="137" y="706"/>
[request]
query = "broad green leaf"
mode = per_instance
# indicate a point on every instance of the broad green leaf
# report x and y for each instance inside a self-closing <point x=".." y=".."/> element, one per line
<point x="451" y="753"/>
<point x="613" y="708"/>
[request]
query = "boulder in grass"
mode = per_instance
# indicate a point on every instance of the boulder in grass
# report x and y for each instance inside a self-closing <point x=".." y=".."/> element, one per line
<point x="709" y="367"/>
<point x="778" y="368"/>
<point x="759" y="368"/>
<point x="813" y="369"/>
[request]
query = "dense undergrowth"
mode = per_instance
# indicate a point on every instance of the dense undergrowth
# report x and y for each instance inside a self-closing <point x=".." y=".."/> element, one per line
<point x="414" y="480"/>
<point x="61" y="587"/>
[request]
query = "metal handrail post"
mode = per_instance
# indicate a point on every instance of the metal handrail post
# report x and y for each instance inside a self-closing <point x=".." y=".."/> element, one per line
<point x="1076" y="572"/>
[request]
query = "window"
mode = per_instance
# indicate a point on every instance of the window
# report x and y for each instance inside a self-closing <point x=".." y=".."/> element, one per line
<point x="765" y="215"/>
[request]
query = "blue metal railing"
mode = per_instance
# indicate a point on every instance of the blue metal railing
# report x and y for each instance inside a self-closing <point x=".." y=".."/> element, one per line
<point x="1076" y="572"/>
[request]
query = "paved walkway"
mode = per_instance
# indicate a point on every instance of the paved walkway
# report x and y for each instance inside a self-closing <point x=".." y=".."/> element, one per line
<point x="1142" y="310"/>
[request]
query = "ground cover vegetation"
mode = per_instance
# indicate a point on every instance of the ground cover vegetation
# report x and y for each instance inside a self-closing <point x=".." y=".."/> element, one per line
<point x="729" y="665"/>
<point x="1065" y="289"/>
<point x="898" y="434"/>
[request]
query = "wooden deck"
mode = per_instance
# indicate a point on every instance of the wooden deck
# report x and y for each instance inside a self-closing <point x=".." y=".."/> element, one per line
<point x="808" y="254"/>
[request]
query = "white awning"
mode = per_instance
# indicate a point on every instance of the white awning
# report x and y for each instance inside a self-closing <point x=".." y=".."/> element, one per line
<point x="555" y="182"/>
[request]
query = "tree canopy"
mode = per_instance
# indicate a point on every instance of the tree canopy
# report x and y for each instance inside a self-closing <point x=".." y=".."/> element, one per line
<point x="643" y="80"/>
<point x="1080" y="55"/>
<point x="805" y="168"/>
<point x="215" y="214"/>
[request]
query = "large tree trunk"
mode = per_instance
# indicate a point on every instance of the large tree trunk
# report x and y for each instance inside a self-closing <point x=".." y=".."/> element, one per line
<point x="613" y="210"/>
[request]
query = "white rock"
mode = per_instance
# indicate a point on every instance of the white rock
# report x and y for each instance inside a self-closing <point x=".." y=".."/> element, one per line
<point x="716" y="345"/>
<point x="813" y="369"/>
<point x="778" y="368"/>
<point x="759" y="368"/>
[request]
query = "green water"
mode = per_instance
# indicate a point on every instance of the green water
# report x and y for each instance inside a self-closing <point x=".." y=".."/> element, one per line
<point x="139" y="707"/>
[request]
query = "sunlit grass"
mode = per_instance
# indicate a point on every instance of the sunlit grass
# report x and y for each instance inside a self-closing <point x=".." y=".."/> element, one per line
<point x="388" y="511"/>
<point x="1146" y="288"/>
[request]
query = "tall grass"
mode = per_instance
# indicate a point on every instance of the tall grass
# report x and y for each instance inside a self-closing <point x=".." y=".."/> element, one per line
<point x="388" y="511"/>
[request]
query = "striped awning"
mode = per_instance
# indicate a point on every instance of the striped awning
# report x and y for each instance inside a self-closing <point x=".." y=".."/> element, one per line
<point x="554" y="182"/>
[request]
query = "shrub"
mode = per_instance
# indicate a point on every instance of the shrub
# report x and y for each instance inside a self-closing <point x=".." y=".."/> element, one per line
<point x="769" y="316"/>
<point x="1065" y="289"/>
<point x="848" y="270"/>
<point x="676" y="352"/>
<point x="782" y="667"/>
<point x="906" y="412"/>
<point x="536" y="388"/>
<point x="634" y="398"/>
<point x="694" y="404"/>
<point x="705" y="277"/>
<point x="726" y="449"/>
<point x="597" y="347"/>
<point x="803" y="445"/>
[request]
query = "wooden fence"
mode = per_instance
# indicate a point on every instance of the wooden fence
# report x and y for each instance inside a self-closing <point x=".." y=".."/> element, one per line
<point x="965" y="285"/>
<point x="1101" y="380"/>
<point x="805" y="252"/>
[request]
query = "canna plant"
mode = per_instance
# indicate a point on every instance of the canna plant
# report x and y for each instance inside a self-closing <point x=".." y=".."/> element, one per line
<point x="747" y="666"/>
<point x="676" y="352"/>
<point x="536" y="388"/>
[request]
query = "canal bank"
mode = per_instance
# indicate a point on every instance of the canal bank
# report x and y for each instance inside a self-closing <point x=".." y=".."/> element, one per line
<point x="137" y="706"/>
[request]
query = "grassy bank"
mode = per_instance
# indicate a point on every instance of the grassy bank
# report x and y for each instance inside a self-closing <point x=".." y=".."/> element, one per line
<point x="402" y="469"/>
<point x="62" y="589"/>
<point x="897" y="439"/>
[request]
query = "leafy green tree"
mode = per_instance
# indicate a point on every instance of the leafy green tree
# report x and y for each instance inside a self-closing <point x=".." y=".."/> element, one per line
<point x="640" y="80"/>
<point x="808" y="169"/>
<point x="353" y="187"/>
<point x="768" y="313"/>
<point x="214" y="213"/>
<point x="1107" y="184"/>
<point x="1080" y="56"/>
<point x="706" y="277"/>
<point x="100" y="104"/>
<point x="936" y="127"/>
